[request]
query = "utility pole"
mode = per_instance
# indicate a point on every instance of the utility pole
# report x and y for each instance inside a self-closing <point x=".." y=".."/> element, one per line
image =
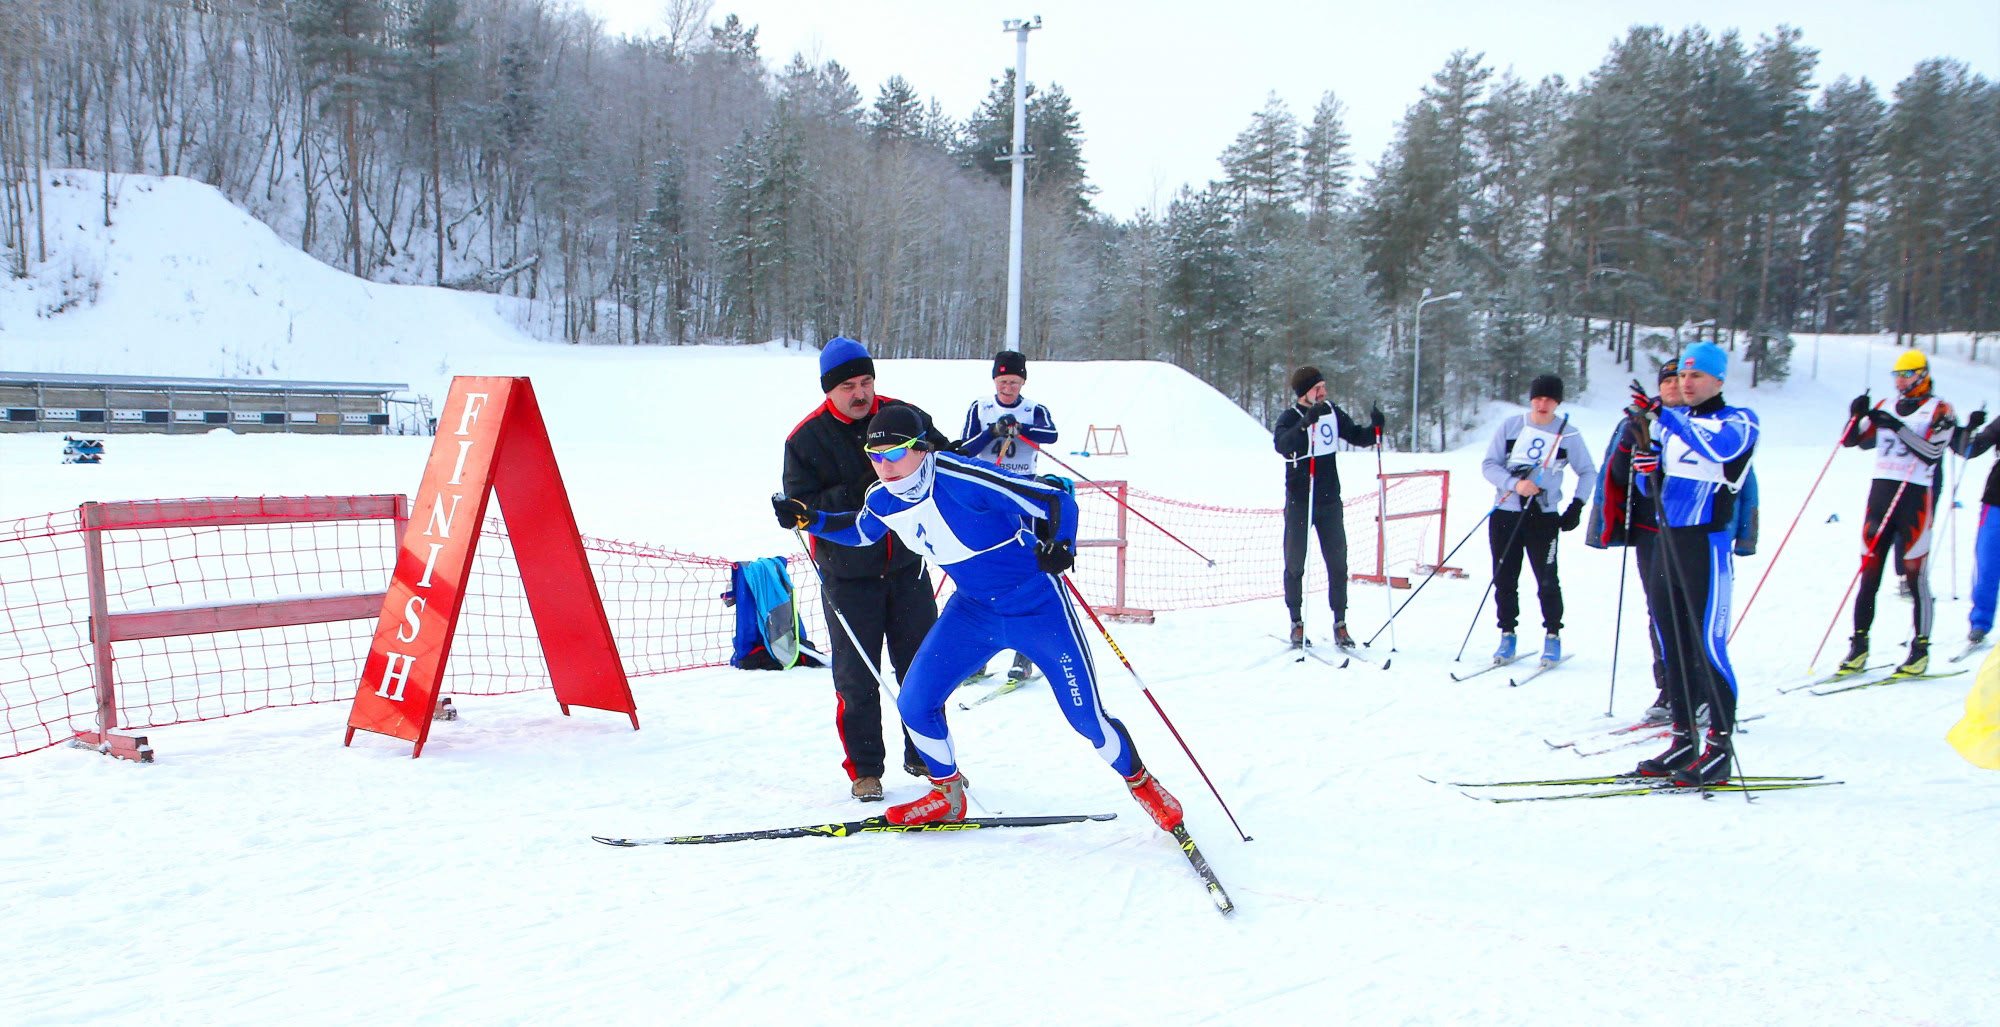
<point x="1020" y="27"/>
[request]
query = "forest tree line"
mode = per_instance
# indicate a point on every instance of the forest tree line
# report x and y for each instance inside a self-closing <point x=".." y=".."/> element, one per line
<point x="671" y="187"/>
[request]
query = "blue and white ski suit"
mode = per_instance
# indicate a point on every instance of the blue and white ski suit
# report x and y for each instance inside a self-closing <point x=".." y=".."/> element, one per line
<point x="982" y="524"/>
<point x="1705" y="454"/>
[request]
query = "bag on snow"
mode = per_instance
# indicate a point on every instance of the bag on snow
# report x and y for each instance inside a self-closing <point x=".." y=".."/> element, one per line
<point x="768" y="635"/>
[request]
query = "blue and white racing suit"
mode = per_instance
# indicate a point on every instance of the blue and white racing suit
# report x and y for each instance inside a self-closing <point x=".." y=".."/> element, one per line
<point x="982" y="524"/>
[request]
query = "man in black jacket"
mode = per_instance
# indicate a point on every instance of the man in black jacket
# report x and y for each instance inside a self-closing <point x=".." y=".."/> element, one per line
<point x="1305" y="436"/>
<point x="882" y="589"/>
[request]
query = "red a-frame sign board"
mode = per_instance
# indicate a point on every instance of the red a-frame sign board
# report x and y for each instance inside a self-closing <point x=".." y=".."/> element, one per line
<point x="490" y="440"/>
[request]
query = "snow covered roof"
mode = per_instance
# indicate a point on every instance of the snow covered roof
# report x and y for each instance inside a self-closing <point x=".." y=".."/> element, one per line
<point x="230" y="384"/>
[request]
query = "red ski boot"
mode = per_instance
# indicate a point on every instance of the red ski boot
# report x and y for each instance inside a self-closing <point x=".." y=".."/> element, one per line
<point x="944" y="802"/>
<point x="1158" y="802"/>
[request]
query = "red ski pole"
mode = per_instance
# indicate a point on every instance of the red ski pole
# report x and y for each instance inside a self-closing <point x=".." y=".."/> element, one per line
<point x="1740" y="617"/>
<point x="1880" y="530"/>
<point x="1156" y="704"/>
<point x="1081" y="477"/>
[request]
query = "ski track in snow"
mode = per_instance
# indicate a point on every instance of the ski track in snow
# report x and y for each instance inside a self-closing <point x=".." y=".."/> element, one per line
<point x="261" y="871"/>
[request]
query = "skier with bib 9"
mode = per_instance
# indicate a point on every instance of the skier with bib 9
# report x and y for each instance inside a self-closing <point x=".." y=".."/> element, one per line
<point x="1007" y="430"/>
<point x="1909" y="441"/>
<point x="1005" y="538"/>
<point x="1306" y="435"/>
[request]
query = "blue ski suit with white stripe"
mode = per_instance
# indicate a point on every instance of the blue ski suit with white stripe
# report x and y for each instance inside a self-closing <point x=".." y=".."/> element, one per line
<point x="982" y="524"/>
<point x="1705" y="453"/>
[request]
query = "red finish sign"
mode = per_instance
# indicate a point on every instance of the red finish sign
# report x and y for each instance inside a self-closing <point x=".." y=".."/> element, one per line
<point x="491" y="440"/>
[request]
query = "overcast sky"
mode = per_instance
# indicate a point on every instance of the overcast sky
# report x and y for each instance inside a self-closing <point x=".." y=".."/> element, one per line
<point x="1161" y="87"/>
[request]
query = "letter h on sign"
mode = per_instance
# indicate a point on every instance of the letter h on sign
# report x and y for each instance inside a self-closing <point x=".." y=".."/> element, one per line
<point x="498" y="444"/>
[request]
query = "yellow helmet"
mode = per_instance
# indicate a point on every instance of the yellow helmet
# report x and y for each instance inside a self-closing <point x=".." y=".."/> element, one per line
<point x="1912" y="360"/>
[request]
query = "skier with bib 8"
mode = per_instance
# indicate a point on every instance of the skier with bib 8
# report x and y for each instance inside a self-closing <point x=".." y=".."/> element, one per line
<point x="1005" y="538"/>
<point x="1909" y="443"/>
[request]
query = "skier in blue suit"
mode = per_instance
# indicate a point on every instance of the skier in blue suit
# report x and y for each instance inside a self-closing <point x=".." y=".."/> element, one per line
<point x="1005" y="538"/>
<point x="1701" y="461"/>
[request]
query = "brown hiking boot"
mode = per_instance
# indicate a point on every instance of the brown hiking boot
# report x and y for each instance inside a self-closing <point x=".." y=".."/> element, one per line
<point x="867" y="789"/>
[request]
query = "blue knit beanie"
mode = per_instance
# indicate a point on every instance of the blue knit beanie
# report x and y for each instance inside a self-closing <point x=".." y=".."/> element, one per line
<point x="1706" y="357"/>
<point x="843" y="358"/>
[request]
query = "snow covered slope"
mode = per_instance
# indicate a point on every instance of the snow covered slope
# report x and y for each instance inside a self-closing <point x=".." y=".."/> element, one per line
<point x="262" y="871"/>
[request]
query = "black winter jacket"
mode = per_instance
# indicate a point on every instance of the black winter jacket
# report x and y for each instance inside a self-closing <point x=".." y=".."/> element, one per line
<point x="827" y="469"/>
<point x="1289" y="437"/>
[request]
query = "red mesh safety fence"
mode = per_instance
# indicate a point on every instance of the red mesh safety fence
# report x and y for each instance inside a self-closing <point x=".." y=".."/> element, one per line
<point x="176" y="594"/>
<point x="665" y="609"/>
<point x="46" y="690"/>
<point x="1246" y="544"/>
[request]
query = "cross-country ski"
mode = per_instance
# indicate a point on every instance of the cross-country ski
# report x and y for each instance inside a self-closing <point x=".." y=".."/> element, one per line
<point x="1488" y="669"/>
<point x="1541" y="668"/>
<point x="848" y="829"/>
<point x="1887" y="679"/>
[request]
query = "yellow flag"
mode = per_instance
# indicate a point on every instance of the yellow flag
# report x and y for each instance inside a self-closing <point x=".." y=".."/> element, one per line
<point x="1977" y="735"/>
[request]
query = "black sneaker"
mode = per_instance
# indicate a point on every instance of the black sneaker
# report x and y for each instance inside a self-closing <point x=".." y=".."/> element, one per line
<point x="1679" y="756"/>
<point x="1022" y="669"/>
<point x="1341" y="638"/>
<point x="1711" y="769"/>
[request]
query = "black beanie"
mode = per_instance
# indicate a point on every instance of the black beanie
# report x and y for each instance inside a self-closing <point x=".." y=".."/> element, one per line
<point x="1009" y="362"/>
<point x="1304" y="379"/>
<point x="1670" y="369"/>
<point x="1546" y="385"/>
<point x="895" y="424"/>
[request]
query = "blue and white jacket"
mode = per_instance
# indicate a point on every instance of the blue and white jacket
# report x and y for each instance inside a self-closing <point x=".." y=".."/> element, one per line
<point x="980" y="521"/>
<point x="1705" y="454"/>
<point x="979" y="441"/>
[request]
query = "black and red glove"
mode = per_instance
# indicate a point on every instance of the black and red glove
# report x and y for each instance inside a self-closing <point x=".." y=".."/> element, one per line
<point x="1645" y="461"/>
<point x="1643" y="406"/>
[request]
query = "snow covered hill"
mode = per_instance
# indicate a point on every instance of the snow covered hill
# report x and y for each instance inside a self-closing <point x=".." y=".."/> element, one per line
<point x="260" y="870"/>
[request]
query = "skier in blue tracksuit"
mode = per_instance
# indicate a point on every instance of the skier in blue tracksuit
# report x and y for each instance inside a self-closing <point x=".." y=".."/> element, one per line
<point x="1005" y="538"/>
<point x="1971" y="442"/>
<point x="1702" y="459"/>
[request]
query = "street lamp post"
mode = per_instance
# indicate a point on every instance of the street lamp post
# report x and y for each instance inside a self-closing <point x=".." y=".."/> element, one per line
<point x="1017" y="187"/>
<point x="1417" y="357"/>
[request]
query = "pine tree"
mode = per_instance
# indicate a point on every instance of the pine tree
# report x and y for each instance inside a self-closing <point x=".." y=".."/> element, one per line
<point x="341" y="41"/>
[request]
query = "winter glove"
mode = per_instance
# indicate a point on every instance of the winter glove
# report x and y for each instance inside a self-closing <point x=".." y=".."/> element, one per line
<point x="1645" y="461"/>
<point x="792" y="514"/>
<point x="1974" y="420"/>
<point x="1884" y="420"/>
<point x="1643" y="407"/>
<point x="1376" y="420"/>
<point x="1058" y="481"/>
<point x="1318" y="410"/>
<point x="1054" y="557"/>
<point x="1859" y="408"/>
<point x="1573" y="516"/>
<point x="1745" y="547"/>
<point x="1007" y="428"/>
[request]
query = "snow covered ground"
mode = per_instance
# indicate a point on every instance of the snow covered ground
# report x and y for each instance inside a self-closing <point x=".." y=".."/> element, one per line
<point x="261" y="871"/>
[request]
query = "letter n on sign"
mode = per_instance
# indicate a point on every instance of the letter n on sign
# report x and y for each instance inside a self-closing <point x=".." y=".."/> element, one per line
<point x="490" y="440"/>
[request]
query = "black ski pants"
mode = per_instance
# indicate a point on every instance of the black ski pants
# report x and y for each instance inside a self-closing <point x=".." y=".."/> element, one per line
<point x="1536" y="543"/>
<point x="1689" y="588"/>
<point x="898" y="609"/>
<point x="1645" y="549"/>
<point x="1327" y="520"/>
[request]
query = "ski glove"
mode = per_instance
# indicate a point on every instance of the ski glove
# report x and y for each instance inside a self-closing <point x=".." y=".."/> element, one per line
<point x="1974" y="420"/>
<point x="1859" y="408"/>
<point x="1573" y="516"/>
<point x="1054" y="557"/>
<point x="1884" y="420"/>
<point x="1376" y="420"/>
<point x="1645" y="461"/>
<point x="1318" y="410"/>
<point x="792" y="514"/>
<point x="1007" y="427"/>
<point x="1643" y="407"/>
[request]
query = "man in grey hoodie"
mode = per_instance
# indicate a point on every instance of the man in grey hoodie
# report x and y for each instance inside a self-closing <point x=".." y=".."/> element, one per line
<point x="1525" y="461"/>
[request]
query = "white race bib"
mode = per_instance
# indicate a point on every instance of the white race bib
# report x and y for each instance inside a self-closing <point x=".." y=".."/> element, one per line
<point x="1532" y="448"/>
<point x="1894" y="459"/>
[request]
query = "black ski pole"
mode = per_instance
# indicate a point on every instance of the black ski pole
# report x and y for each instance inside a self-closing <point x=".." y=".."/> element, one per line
<point x="1688" y="622"/>
<point x="1442" y="561"/>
